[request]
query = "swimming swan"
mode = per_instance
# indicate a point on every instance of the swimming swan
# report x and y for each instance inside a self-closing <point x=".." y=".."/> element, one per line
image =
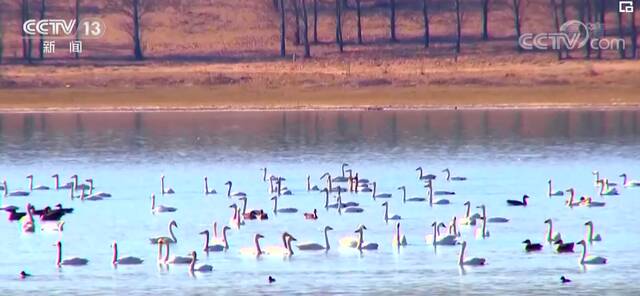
<point x="206" y="187"/>
<point x="379" y="195"/>
<point x="127" y="260"/>
<point x="283" y="210"/>
<point x="386" y="213"/>
<point x="432" y="202"/>
<point x="311" y="246"/>
<point x="522" y="203"/>
<point x="554" y="193"/>
<point x="469" y="219"/>
<point x="160" y="208"/>
<point x="167" y="240"/>
<point x="162" y="189"/>
<point x="591" y="236"/>
<point x="629" y="183"/>
<point x="175" y="259"/>
<point x="235" y="193"/>
<point x="254" y="251"/>
<point x="13" y="193"/>
<point x="72" y="261"/>
<point x="39" y="187"/>
<point x="471" y="262"/>
<point x="424" y="177"/>
<point x="217" y="247"/>
<point x="449" y="178"/>
<point x="551" y="236"/>
<point x="98" y="194"/>
<point x="404" y="196"/>
<point x="398" y="239"/>
<point x="362" y="245"/>
<point x="492" y="219"/>
<point x="605" y="190"/>
<point x="440" y="240"/>
<point x="200" y="267"/>
<point x="584" y="259"/>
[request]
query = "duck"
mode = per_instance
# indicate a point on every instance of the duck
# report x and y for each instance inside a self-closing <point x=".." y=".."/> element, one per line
<point x="424" y="177"/>
<point x="531" y="247"/>
<point x="469" y="219"/>
<point x="386" y="213"/>
<point x="470" y="262"/>
<point x="254" y="251"/>
<point x="492" y="219"/>
<point x="39" y="187"/>
<point x="629" y="183"/>
<point x="251" y="214"/>
<point x="587" y="201"/>
<point x="379" y="195"/>
<point x="160" y="208"/>
<point x="552" y="192"/>
<point x="208" y="191"/>
<point x="175" y="259"/>
<point x="282" y="210"/>
<point x="522" y="203"/>
<point x="162" y="189"/>
<point x="564" y="280"/>
<point x="13" y="193"/>
<point x="584" y="259"/>
<point x="312" y="246"/>
<point x="311" y="216"/>
<point x="449" y="178"/>
<point x="309" y="187"/>
<point x="67" y="185"/>
<point x="223" y="246"/>
<point x="398" y="239"/>
<point x="14" y="215"/>
<point x="591" y="236"/>
<point x="562" y="247"/>
<point x="412" y="199"/>
<point x="200" y="267"/>
<point x="127" y="260"/>
<point x="167" y="240"/>
<point x="229" y="184"/>
<point x="362" y="245"/>
<point x="551" y="236"/>
<point x="69" y="261"/>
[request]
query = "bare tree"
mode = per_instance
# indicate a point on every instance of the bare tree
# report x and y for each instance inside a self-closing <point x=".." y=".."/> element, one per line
<point x="358" y="21"/>
<point x="296" y="12"/>
<point x="425" y="17"/>
<point x="43" y="9"/>
<point x="621" y="50"/>
<point x="634" y="31"/>
<point x="339" y="25"/>
<point x="516" y="6"/>
<point x="305" y="30"/>
<point x="1" y="36"/>
<point x="556" y="23"/>
<point x="315" y="21"/>
<point x="602" y="9"/>
<point x="585" y="17"/>
<point x="27" y="43"/>
<point x="135" y="10"/>
<point x="77" y="11"/>
<point x="283" y="31"/>
<point x="392" y="20"/>
<point x="458" y="26"/>
<point x="485" y="19"/>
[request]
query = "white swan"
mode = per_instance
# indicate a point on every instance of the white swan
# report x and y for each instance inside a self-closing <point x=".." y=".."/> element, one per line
<point x="471" y="262"/>
<point x="350" y="209"/>
<point x="99" y="194"/>
<point x="13" y="193"/>
<point x="200" y="267"/>
<point x="629" y="183"/>
<point x="437" y="240"/>
<point x="160" y="208"/>
<point x="605" y="190"/>
<point x="551" y="236"/>
<point x="57" y="183"/>
<point x="39" y="187"/>
<point x="206" y="187"/>
<point x="484" y="233"/>
<point x="588" y="202"/>
<point x="342" y="178"/>
<point x="598" y="180"/>
<point x="71" y="261"/>
<point x="554" y="193"/>
<point x="127" y="260"/>
<point x="309" y="187"/>
<point x="236" y="220"/>
<point x="175" y="259"/>
<point x="285" y="250"/>
<point x="432" y="202"/>
<point x="469" y="219"/>
<point x="379" y="195"/>
<point x="84" y="196"/>
<point x="492" y="219"/>
<point x="254" y="251"/>
<point x="329" y="184"/>
<point x="167" y="240"/>
<point x="449" y="178"/>
<point x="217" y="247"/>
<point x="424" y="177"/>
<point x="57" y="226"/>
<point x="591" y="236"/>
<point x="404" y="196"/>
<point x="584" y="259"/>
<point x="162" y="189"/>
<point x="386" y="213"/>
<point x="571" y="201"/>
<point x="311" y="246"/>
<point x="362" y="245"/>
<point x="283" y="210"/>
<point x="453" y="227"/>
<point x="229" y="184"/>
<point x="398" y="239"/>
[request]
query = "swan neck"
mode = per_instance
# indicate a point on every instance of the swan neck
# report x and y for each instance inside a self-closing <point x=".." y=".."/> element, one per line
<point x="461" y="258"/>
<point x="153" y="203"/>
<point x="115" y="253"/>
<point x="549" y="233"/>
<point x="584" y="253"/>
<point x="166" y="256"/>
<point x="275" y="204"/>
<point x="468" y="210"/>
<point x="228" y="189"/>
<point x="206" y="186"/>
<point x="244" y="206"/>
<point x="57" y="182"/>
<point x="258" y="250"/>
<point x="224" y="238"/>
<point x="590" y="232"/>
<point x="289" y="246"/>
<point x="206" y="241"/>
<point x="361" y="239"/>
<point x="386" y="212"/>
<point x="173" y="237"/>
<point x="30" y="184"/>
<point x="162" y="185"/>
<point x="326" y="239"/>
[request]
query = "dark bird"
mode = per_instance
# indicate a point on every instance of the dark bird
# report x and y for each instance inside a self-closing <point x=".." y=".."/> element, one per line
<point x="24" y="274"/>
<point x="15" y="216"/>
<point x="52" y="215"/>
<point x="271" y="280"/>
<point x="564" y="280"/>
<point x="523" y="203"/>
<point x="39" y="212"/>
<point x="530" y="247"/>
<point x="311" y="216"/>
<point x="66" y="210"/>
<point x="562" y="247"/>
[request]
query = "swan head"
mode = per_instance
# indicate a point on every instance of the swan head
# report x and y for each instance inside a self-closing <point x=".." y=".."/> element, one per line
<point x="559" y="242"/>
<point x="401" y="188"/>
<point x="205" y="232"/>
<point x="445" y="171"/>
<point x="114" y="244"/>
<point x="30" y="177"/>
<point x="549" y="181"/>
<point x="61" y="226"/>
<point x="547" y="221"/>
<point x="326" y="228"/>
<point x="525" y="196"/>
<point x="481" y="207"/>
<point x="162" y="177"/>
<point x="398" y="225"/>
<point x="418" y="168"/>
<point x="258" y="236"/>
<point x="73" y="176"/>
<point x="623" y="175"/>
<point x="225" y="228"/>
<point x="572" y="190"/>
<point x="205" y="178"/>
<point x="194" y="255"/>
<point x="324" y="190"/>
<point x="54" y="176"/>
<point x="274" y="197"/>
<point x="291" y="238"/>
<point x="173" y="223"/>
<point x="434" y="224"/>
<point x="594" y="172"/>
<point x="441" y="224"/>
<point x="344" y="164"/>
<point x="227" y="183"/>
<point x="235" y="206"/>
<point x="242" y="198"/>
<point x="360" y="228"/>
<point x="325" y="175"/>
<point x="384" y="204"/>
<point x="582" y="242"/>
<point x="588" y="223"/>
<point x="467" y="203"/>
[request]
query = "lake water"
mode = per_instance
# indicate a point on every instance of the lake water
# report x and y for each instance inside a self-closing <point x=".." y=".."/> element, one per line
<point x="503" y="153"/>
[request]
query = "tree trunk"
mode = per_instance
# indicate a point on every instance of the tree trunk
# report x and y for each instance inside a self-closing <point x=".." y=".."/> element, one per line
<point x="1" y="38"/>
<point x="358" y="21"/>
<point x="315" y="21"/>
<point x="296" y="11"/>
<point x="137" y="48"/>
<point x="621" y="34"/>
<point x="392" y="20"/>
<point x="603" y="13"/>
<point x="634" y="32"/>
<point x="305" y="30"/>
<point x="458" y="26"/>
<point x="27" y="41"/>
<point x="339" y="25"/>
<point x="516" y="22"/>
<point x="425" y="16"/>
<point x="556" y="24"/>
<point x="43" y="7"/>
<point x="485" y="20"/>
<point x="77" y="54"/>
<point x="563" y="19"/>
<point x="283" y="45"/>
<point x="585" y="17"/>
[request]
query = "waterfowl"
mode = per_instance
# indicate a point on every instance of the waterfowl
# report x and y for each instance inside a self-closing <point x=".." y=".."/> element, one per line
<point x="67" y="185"/>
<point x="629" y="183"/>
<point x="287" y="250"/>
<point x="562" y="247"/>
<point x="23" y="274"/>
<point x="252" y="214"/>
<point x="598" y="179"/>
<point x="471" y="262"/>
<point x="127" y="260"/>
<point x="432" y="201"/>
<point x="453" y="227"/>
<point x="564" y="280"/>
<point x="522" y="203"/>
<point x="492" y="219"/>
<point x="309" y="187"/>
<point x="362" y="245"/>
<point x="588" y="202"/>
<point x="424" y="177"/>
<point x="591" y="236"/>
<point x="379" y="195"/>
<point x="311" y="216"/>
<point x="439" y="240"/>
<point x="77" y="185"/>
<point x="229" y="184"/>
<point x="554" y="193"/>
<point x="98" y="194"/>
<point x="531" y="247"/>
<point x="570" y="202"/>
<point x="386" y="213"/>
<point x="330" y="184"/>
<point x="162" y="189"/>
<point x="404" y="196"/>
<point x="39" y="187"/>
<point x="398" y="239"/>
<point x="584" y="259"/>
<point x="160" y="208"/>
<point x="551" y="236"/>
<point x="66" y="210"/>
<point x="71" y="261"/>
<point x="28" y="224"/>
<point x="14" y="215"/>
<point x="51" y="215"/>
<point x="271" y="279"/>
<point x="175" y="259"/>
<point x="13" y="193"/>
<point x="343" y="178"/>
<point x="57" y="226"/>
<point x="605" y="190"/>
<point x="206" y="187"/>
<point x="217" y="247"/>
<point x="351" y="209"/>
<point x="200" y="267"/>
<point x="283" y="210"/>
<point x="484" y="233"/>
<point x="311" y="246"/>
<point x="167" y="240"/>
<point x="235" y="219"/>
<point x="469" y="219"/>
<point x="254" y="251"/>
<point x="449" y="178"/>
